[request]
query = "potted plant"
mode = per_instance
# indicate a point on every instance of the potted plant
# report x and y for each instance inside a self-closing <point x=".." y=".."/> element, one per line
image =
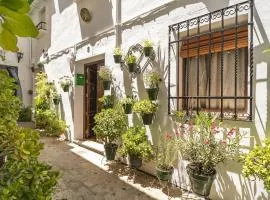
<point x="147" y="47"/>
<point x="110" y="124"/>
<point x="256" y="163"/>
<point x="146" y="109"/>
<point x="56" y="98"/>
<point x="152" y="80"/>
<point x="136" y="146"/>
<point x="65" y="83"/>
<point x="167" y="153"/>
<point x="131" y="62"/>
<point x="205" y="144"/>
<point x="127" y="104"/>
<point x="117" y="55"/>
<point x="40" y="65"/>
<point x="106" y="76"/>
<point x="107" y="101"/>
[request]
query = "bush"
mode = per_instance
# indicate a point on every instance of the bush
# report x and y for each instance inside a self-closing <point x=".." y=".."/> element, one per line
<point x="25" y="114"/>
<point x="110" y="124"/>
<point x="257" y="163"/>
<point x="135" y="143"/>
<point x="145" y="106"/>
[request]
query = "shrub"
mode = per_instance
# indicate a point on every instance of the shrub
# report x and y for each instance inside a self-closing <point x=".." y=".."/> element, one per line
<point x="135" y="143"/>
<point x="145" y="107"/>
<point x="109" y="125"/>
<point x="25" y="114"/>
<point x="257" y="163"/>
<point x="105" y="73"/>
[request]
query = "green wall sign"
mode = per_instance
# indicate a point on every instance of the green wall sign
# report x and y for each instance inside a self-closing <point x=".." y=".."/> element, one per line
<point x="79" y="79"/>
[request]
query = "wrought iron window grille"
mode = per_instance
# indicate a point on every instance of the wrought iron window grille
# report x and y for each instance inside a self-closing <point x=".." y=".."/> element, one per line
<point x="175" y="40"/>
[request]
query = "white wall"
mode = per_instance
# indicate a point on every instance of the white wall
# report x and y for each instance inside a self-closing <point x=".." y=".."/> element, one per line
<point x="67" y="29"/>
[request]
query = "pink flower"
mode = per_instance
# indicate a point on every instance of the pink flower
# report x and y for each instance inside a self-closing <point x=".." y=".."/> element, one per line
<point x="168" y="136"/>
<point x="206" y="142"/>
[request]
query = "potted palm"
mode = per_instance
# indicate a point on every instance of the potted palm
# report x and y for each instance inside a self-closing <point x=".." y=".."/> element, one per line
<point x="205" y="144"/>
<point x="65" y="83"/>
<point x="106" y="75"/>
<point x="152" y="80"/>
<point x="146" y="109"/>
<point x="110" y="124"/>
<point x="117" y="55"/>
<point x="167" y="153"/>
<point x="131" y="62"/>
<point x="107" y="101"/>
<point x="136" y="146"/>
<point x="147" y="47"/>
<point x="127" y="104"/>
<point x="256" y="163"/>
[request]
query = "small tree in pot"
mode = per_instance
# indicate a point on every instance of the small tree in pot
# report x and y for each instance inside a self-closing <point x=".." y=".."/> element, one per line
<point x="136" y="146"/>
<point x="110" y="124"/>
<point x="131" y="62"/>
<point x="106" y="75"/>
<point x="167" y="153"/>
<point x="117" y="55"/>
<point x="146" y="109"/>
<point x="127" y="104"/>
<point x="152" y="80"/>
<point x="205" y="144"/>
<point x="147" y="47"/>
<point x="65" y="83"/>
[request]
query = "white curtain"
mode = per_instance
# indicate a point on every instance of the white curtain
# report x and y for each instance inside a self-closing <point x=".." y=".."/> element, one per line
<point x="210" y="78"/>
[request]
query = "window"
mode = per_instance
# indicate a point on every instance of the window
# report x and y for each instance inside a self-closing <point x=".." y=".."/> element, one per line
<point x="212" y="57"/>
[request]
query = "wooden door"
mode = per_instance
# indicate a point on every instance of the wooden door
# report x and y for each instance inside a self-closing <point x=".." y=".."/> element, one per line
<point x="92" y="92"/>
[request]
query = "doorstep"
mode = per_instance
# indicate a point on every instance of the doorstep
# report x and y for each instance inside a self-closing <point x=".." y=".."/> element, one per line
<point x="137" y="179"/>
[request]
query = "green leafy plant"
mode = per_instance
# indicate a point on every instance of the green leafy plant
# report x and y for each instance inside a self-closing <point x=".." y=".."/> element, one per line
<point x="167" y="151"/>
<point x="118" y="51"/>
<point x="66" y="81"/>
<point x="206" y="143"/>
<point x="127" y="100"/>
<point x="131" y="59"/>
<point x="145" y="107"/>
<point x="105" y="74"/>
<point x="257" y="162"/>
<point x="147" y="43"/>
<point x="110" y="124"/>
<point x="25" y="114"/>
<point x="15" y="22"/>
<point x="152" y="79"/>
<point x="135" y="143"/>
<point x="107" y="101"/>
<point x="40" y="65"/>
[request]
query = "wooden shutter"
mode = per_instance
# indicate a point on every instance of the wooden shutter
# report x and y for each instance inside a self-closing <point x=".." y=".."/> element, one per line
<point x="190" y="47"/>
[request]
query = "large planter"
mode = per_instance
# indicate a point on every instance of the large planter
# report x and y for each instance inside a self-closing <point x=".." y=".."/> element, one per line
<point x="152" y="93"/>
<point x="147" y="51"/>
<point x="110" y="151"/>
<point x="164" y="175"/>
<point x="127" y="108"/>
<point x="66" y="88"/>
<point x="117" y="58"/>
<point x="147" y="118"/>
<point x="200" y="184"/>
<point x="131" y="67"/>
<point x="134" y="161"/>
<point x="107" y="85"/>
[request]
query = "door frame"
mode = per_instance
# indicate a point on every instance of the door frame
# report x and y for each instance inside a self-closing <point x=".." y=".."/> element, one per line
<point x="100" y="62"/>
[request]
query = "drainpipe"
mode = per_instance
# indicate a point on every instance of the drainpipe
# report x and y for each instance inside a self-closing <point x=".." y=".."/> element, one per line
<point x="118" y="28"/>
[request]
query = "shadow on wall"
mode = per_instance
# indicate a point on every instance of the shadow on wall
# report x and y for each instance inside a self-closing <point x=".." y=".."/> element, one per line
<point x="102" y="17"/>
<point x="64" y="4"/>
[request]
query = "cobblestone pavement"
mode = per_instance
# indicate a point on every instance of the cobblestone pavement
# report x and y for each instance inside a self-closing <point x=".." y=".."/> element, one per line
<point x="81" y="180"/>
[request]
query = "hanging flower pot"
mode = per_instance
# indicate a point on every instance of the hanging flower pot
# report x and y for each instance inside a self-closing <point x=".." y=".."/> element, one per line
<point x="147" y="51"/>
<point x="147" y="118"/>
<point x="164" y="175"/>
<point x="117" y="55"/>
<point x="131" y="67"/>
<point x="134" y="161"/>
<point x="200" y="184"/>
<point x="110" y="151"/>
<point x="152" y="93"/>
<point x="65" y="88"/>
<point x="106" y="85"/>
<point x="65" y="83"/>
<point x="56" y="100"/>
<point x="127" y="108"/>
<point x="131" y="63"/>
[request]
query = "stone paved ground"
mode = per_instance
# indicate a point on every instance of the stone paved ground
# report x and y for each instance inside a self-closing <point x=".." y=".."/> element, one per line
<point x="82" y="180"/>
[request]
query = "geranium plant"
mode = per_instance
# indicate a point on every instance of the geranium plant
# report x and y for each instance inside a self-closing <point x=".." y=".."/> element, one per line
<point x="257" y="162"/>
<point x="65" y="83"/>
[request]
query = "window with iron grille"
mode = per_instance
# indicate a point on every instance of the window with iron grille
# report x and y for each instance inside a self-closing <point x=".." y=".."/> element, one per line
<point x="211" y="63"/>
